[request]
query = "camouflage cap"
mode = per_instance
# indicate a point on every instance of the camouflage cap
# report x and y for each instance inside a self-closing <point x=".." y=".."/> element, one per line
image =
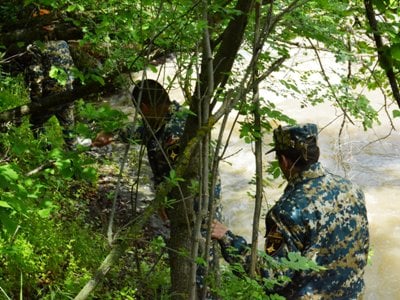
<point x="294" y="137"/>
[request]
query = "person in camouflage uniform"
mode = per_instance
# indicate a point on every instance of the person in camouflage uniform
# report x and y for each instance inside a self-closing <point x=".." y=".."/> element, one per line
<point x="321" y="215"/>
<point x="163" y="125"/>
<point x="164" y="122"/>
<point x="52" y="55"/>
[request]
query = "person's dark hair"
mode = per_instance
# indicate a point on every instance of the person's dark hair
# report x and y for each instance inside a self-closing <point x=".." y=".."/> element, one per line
<point x="303" y="159"/>
<point x="149" y="92"/>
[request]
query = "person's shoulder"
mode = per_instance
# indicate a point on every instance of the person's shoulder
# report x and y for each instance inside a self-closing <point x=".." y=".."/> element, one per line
<point x="342" y="181"/>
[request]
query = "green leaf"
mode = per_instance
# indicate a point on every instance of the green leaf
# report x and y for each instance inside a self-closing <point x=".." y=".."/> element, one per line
<point x="7" y="172"/>
<point x="59" y="74"/>
<point x="4" y="204"/>
<point x="380" y="5"/>
<point x="396" y="113"/>
<point x="8" y="222"/>
<point x="7" y="176"/>
<point x="97" y="78"/>
<point x="173" y="178"/>
<point x="395" y="51"/>
<point x="44" y="213"/>
<point x="89" y="173"/>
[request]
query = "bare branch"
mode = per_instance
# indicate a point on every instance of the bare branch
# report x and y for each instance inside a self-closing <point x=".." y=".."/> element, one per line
<point x="326" y="78"/>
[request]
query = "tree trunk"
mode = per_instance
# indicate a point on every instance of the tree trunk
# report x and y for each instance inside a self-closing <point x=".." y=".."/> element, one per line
<point x="180" y="243"/>
<point x="182" y="211"/>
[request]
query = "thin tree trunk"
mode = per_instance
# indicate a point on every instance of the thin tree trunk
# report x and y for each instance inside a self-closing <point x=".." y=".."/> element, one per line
<point x="258" y="153"/>
<point x="180" y="237"/>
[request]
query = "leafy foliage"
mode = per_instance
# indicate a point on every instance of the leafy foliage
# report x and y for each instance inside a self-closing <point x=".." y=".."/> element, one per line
<point x="12" y="91"/>
<point x="100" y="117"/>
<point x="39" y="240"/>
<point x="236" y="284"/>
<point x="45" y="237"/>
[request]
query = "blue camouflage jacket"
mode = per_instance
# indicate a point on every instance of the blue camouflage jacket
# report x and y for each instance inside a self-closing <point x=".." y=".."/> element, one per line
<point x="322" y="216"/>
<point x="163" y="146"/>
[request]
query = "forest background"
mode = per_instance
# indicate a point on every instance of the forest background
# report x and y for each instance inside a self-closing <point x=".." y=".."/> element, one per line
<point x="62" y="235"/>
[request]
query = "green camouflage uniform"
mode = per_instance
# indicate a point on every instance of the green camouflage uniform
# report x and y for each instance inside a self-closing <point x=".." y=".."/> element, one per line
<point x="57" y="54"/>
<point x="320" y="215"/>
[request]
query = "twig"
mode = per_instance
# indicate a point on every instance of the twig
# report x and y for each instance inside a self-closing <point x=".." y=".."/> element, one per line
<point x="326" y="78"/>
<point x="110" y="236"/>
<point x="47" y="165"/>
<point x="258" y="152"/>
<point x="383" y="57"/>
<point x="134" y="195"/>
<point x="204" y="109"/>
<point x="5" y="294"/>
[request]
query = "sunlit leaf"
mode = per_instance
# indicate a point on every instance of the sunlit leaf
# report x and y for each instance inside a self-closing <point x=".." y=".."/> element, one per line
<point x="5" y="204"/>
<point x="396" y="113"/>
<point x="395" y="51"/>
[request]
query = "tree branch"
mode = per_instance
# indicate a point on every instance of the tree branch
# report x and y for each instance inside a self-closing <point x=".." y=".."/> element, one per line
<point x="46" y="165"/>
<point x="105" y="266"/>
<point x="383" y="57"/>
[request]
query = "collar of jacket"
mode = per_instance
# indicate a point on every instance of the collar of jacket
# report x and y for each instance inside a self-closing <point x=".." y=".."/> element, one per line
<point x="314" y="171"/>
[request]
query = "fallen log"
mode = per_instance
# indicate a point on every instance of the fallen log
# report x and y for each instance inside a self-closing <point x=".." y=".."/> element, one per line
<point x="61" y="31"/>
<point x="55" y="100"/>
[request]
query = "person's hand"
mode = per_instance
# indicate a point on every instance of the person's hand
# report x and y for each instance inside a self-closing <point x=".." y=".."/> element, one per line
<point x="103" y="139"/>
<point x="218" y="230"/>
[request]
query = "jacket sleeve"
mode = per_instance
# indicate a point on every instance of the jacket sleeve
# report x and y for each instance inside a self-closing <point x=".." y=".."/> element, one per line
<point x="132" y="133"/>
<point x="234" y="248"/>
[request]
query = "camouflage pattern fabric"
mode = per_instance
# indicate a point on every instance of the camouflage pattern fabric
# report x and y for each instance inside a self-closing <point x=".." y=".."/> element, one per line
<point x="42" y="59"/>
<point x="295" y="137"/>
<point x="165" y="142"/>
<point x="322" y="216"/>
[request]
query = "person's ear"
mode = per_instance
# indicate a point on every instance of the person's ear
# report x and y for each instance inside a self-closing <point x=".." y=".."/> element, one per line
<point x="286" y="163"/>
<point x="144" y="107"/>
<point x="166" y="108"/>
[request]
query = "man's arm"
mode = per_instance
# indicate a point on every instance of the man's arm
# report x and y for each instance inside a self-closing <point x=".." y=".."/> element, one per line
<point x="233" y="247"/>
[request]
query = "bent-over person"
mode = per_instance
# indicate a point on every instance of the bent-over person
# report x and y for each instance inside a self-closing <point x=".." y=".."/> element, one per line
<point x="161" y="131"/>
